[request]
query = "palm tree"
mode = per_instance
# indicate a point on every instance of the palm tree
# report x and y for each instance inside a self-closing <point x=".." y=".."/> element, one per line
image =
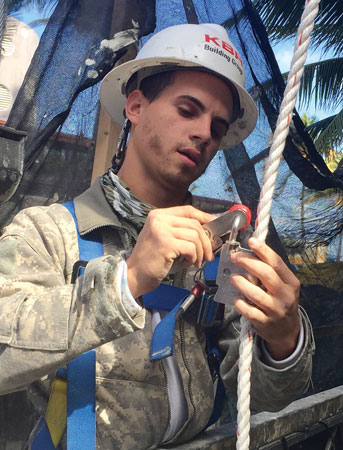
<point x="322" y="80"/>
<point x="41" y="5"/>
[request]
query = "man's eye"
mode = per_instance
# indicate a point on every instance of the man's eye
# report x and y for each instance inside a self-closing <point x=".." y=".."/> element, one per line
<point x="185" y="112"/>
<point x="218" y="132"/>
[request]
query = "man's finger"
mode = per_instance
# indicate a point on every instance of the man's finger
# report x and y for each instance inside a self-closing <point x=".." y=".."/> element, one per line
<point x="249" y="311"/>
<point x="190" y="235"/>
<point x="266" y="254"/>
<point x="262" y="273"/>
<point x="254" y="294"/>
<point x="177" y="226"/>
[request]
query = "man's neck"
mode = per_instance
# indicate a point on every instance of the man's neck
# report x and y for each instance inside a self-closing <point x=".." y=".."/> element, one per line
<point x="151" y="192"/>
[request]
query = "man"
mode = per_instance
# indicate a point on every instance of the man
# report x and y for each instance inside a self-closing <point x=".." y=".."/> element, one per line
<point x="184" y="98"/>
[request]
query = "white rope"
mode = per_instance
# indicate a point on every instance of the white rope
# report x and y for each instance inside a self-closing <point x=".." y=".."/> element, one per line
<point x="243" y="385"/>
<point x="264" y="208"/>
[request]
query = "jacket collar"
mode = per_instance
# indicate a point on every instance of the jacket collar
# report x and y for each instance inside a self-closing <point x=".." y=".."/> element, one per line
<point x="93" y="211"/>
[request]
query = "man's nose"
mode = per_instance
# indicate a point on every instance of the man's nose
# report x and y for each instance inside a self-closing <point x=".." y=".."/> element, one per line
<point x="201" y="130"/>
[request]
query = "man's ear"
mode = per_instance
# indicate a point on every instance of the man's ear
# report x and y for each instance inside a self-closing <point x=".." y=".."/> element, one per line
<point x="135" y="104"/>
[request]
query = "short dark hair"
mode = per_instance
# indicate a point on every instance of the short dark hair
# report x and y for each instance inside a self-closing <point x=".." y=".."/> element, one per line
<point x="152" y="86"/>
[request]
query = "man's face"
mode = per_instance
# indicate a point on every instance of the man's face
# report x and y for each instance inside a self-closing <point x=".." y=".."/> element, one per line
<point x="176" y="135"/>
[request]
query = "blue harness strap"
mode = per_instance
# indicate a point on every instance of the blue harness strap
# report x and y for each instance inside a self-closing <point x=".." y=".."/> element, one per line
<point x="169" y="298"/>
<point x="81" y="417"/>
<point x="42" y="439"/>
<point x="162" y="344"/>
<point x="211" y="269"/>
<point x="164" y="297"/>
<point x="90" y="247"/>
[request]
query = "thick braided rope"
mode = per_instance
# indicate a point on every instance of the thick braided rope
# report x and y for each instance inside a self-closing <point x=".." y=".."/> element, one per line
<point x="264" y="208"/>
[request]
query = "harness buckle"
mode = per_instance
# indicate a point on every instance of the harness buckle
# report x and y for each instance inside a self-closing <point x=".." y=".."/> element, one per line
<point x="78" y="269"/>
<point x="210" y="313"/>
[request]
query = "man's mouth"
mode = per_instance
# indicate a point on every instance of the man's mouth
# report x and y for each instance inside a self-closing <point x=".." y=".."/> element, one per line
<point x="192" y="154"/>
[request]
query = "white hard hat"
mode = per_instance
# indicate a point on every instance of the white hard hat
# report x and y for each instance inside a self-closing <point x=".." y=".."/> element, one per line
<point x="204" y="47"/>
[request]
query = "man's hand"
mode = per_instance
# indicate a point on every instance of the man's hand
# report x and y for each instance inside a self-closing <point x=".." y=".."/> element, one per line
<point x="168" y="234"/>
<point x="274" y="308"/>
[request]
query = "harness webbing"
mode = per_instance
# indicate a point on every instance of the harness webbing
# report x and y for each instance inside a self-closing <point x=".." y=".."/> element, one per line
<point x="42" y="439"/>
<point x="81" y="422"/>
<point x="80" y="412"/>
<point x="77" y="384"/>
<point x="81" y="417"/>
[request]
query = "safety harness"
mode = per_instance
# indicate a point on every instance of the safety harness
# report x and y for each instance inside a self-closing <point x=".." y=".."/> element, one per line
<point x="72" y="399"/>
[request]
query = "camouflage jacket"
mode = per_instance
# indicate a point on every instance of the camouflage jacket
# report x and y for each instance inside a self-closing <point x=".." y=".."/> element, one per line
<point x="45" y="322"/>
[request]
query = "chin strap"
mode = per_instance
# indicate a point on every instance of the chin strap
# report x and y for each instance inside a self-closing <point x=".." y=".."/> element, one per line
<point x="119" y="156"/>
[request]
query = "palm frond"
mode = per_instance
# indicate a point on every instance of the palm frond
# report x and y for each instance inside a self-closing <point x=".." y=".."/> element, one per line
<point x="282" y="17"/>
<point x="38" y="22"/>
<point x="328" y="29"/>
<point x="322" y="83"/>
<point x="317" y="127"/>
<point x="43" y="6"/>
<point x="331" y="135"/>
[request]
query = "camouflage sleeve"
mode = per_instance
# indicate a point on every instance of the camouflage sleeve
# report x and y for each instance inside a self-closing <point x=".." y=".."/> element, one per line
<point x="271" y="389"/>
<point x="44" y="320"/>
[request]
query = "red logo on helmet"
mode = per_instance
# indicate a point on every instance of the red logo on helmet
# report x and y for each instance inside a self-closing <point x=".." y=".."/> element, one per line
<point x="220" y="43"/>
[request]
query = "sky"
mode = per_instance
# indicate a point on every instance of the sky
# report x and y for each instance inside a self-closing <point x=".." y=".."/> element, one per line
<point x="28" y="15"/>
<point x="284" y="53"/>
